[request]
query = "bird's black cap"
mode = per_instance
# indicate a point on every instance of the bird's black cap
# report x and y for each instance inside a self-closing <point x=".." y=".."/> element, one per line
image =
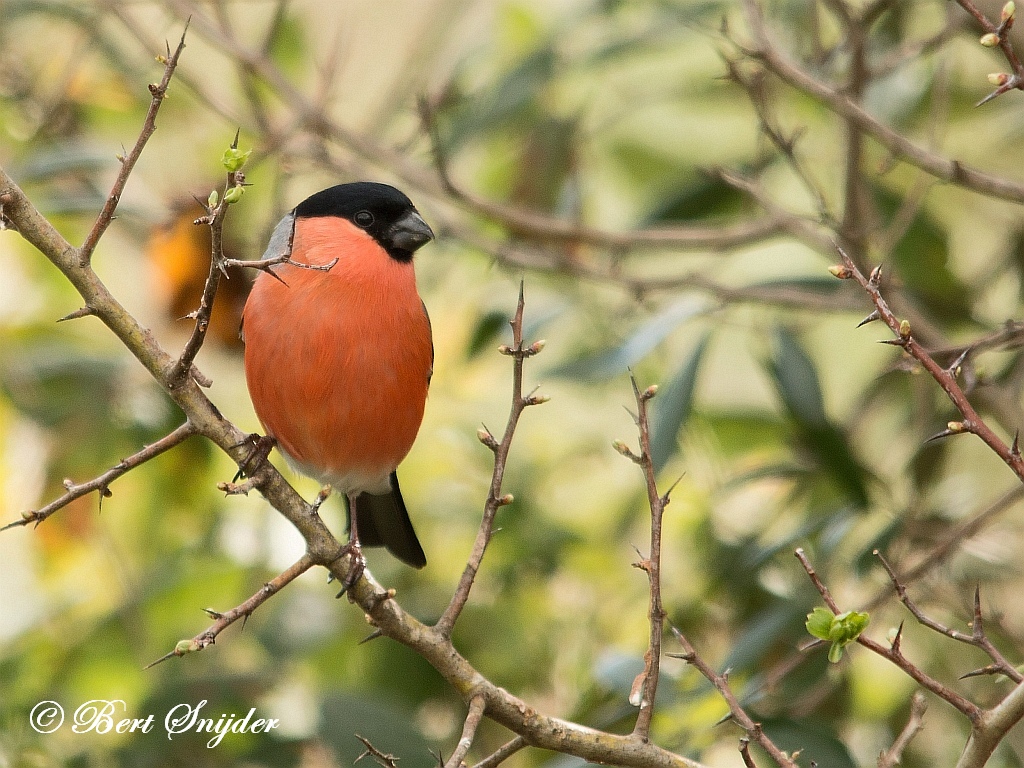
<point x="386" y="214"/>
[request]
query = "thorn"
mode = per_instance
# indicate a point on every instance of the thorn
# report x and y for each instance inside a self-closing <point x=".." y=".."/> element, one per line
<point x="1015" y="448"/>
<point x="17" y="523"/>
<point x="83" y="312"/>
<point x="875" y="277"/>
<point x="869" y="319"/>
<point x="991" y="669"/>
<point x="952" y="428"/>
<point x="898" y="639"/>
<point x="234" y="144"/>
<point x="954" y="367"/>
<point x="899" y="342"/>
<point x="162" y="659"/>
<point x="372" y="636"/>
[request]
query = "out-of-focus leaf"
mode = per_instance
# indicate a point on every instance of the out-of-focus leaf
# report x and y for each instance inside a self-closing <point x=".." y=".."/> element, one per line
<point x="545" y="164"/>
<point x="673" y="406"/>
<point x="762" y="633"/>
<point x="797" y="383"/>
<point x="705" y="197"/>
<point x="615" y="361"/>
<point x="509" y="98"/>
<point x="867" y="560"/>
<point x="820" y="286"/>
<point x="487" y="329"/>
<point x="68" y="157"/>
<point x="815" y="741"/>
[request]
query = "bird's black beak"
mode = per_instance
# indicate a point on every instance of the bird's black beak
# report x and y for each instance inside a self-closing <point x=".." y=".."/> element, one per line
<point x="410" y="232"/>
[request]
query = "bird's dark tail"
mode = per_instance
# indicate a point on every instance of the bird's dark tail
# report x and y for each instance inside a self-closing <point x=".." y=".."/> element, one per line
<point x="383" y="521"/>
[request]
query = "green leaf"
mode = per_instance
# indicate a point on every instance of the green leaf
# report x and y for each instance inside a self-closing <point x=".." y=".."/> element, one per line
<point x="819" y="623"/>
<point x="839" y="630"/>
<point x="641" y="343"/>
<point x="486" y="330"/>
<point x="673" y="406"/>
<point x="233" y="159"/>
<point x="797" y="381"/>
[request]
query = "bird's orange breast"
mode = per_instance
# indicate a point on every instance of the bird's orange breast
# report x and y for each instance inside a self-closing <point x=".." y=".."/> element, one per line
<point x="338" y="362"/>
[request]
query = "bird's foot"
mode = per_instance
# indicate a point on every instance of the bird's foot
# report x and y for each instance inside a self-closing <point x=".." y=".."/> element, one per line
<point x="262" y="445"/>
<point x="356" y="565"/>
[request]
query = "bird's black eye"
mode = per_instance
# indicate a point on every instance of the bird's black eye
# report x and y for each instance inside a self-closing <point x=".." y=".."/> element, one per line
<point x="364" y="219"/>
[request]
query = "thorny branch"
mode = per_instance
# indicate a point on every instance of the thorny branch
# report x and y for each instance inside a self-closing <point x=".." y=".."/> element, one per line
<point x="977" y="638"/>
<point x="721" y="682"/>
<point x="645" y="686"/>
<point x="224" y="620"/>
<point x="988" y="726"/>
<point x="945" y="377"/>
<point x="159" y="93"/>
<point x="495" y="498"/>
<point x="102" y="483"/>
<point x="894" y="653"/>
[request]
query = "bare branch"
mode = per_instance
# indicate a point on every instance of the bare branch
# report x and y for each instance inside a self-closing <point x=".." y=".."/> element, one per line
<point x="894" y="755"/>
<point x="159" y="92"/>
<point x="946" y="379"/>
<point x="739" y="715"/>
<point x="473" y="718"/>
<point x="951" y="171"/>
<point x="977" y="638"/>
<point x="495" y="499"/>
<point x="244" y="611"/>
<point x="645" y="687"/>
<point x="502" y="754"/>
<point x="102" y="483"/>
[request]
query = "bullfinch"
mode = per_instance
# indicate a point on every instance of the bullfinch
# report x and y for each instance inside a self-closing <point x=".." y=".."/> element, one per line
<point x="338" y="360"/>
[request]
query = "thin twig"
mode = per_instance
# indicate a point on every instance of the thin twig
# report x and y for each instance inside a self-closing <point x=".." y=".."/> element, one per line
<point x="503" y="753"/>
<point x="945" y="377"/>
<point x="951" y="171"/>
<point x="383" y="759"/>
<point x="893" y="653"/>
<point x="534" y="224"/>
<point x="892" y="756"/>
<point x="102" y="483"/>
<point x="495" y="499"/>
<point x="159" y="93"/>
<point x="215" y="218"/>
<point x="645" y="687"/>
<point x="1015" y="80"/>
<point x="721" y="682"/>
<point x="476" y="712"/>
<point x="977" y="638"/>
<point x="244" y="611"/>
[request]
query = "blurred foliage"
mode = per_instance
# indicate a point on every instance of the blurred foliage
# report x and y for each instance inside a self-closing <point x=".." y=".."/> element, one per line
<point x="786" y="426"/>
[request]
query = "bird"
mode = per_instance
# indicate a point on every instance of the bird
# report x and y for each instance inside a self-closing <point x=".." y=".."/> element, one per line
<point x="339" y="353"/>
